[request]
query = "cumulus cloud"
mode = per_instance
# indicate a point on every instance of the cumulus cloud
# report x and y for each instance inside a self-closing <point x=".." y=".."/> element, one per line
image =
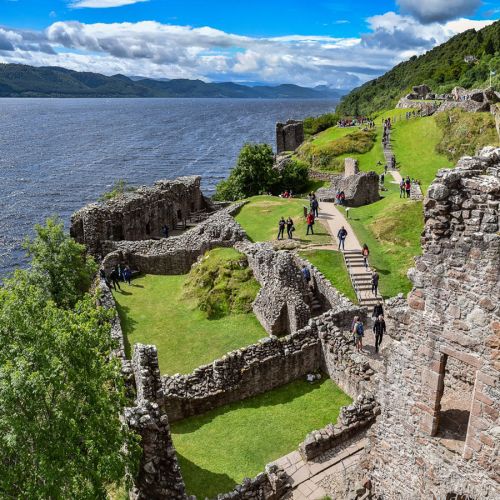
<point x="102" y="4"/>
<point x="156" y="50"/>
<point x="430" y="11"/>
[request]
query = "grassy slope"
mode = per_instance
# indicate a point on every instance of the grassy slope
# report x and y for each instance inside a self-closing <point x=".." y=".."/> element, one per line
<point x="260" y="216"/>
<point x="332" y="265"/>
<point x="414" y="144"/>
<point x="220" y="448"/>
<point x="333" y="133"/>
<point x="391" y="228"/>
<point x="154" y="311"/>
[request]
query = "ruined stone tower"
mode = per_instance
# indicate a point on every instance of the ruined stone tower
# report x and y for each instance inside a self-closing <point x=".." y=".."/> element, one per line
<point x="289" y="135"/>
<point x="439" y="432"/>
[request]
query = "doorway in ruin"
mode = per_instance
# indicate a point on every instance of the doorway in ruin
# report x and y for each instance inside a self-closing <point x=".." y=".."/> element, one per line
<point x="456" y="403"/>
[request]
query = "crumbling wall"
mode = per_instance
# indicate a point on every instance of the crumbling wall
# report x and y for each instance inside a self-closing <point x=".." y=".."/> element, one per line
<point x="289" y="135"/>
<point x="273" y="484"/>
<point x="352" y="419"/>
<point x="176" y="255"/>
<point x="452" y="313"/>
<point x="351" y="167"/>
<point x="159" y="475"/>
<point x="138" y="215"/>
<point x="258" y="368"/>
<point x="281" y="304"/>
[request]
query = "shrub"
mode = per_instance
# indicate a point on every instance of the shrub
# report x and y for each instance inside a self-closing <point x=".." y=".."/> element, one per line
<point x="119" y="188"/>
<point x="222" y="283"/>
<point x="254" y="174"/>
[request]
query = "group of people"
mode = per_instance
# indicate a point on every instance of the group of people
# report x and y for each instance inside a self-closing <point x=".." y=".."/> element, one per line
<point x="286" y="194"/>
<point x="355" y="122"/>
<point x="379" y="328"/>
<point x="119" y="273"/>
<point x="288" y="224"/>
<point x="340" y="197"/>
<point x="405" y="188"/>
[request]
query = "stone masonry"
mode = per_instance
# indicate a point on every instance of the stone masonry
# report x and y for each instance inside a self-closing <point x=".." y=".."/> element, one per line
<point x="289" y="135"/>
<point x="445" y="367"/>
<point x="138" y="215"/>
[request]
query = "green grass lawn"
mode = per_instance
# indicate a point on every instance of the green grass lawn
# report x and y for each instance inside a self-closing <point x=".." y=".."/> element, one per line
<point x="260" y="216"/>
<point x="154" y="310"/>
<point x="391" y="228"/>
<point x="332" y="265"/>
<point x="414" y="144"/>
<point x="333" y="133"/>
<point x="218" y="449"/>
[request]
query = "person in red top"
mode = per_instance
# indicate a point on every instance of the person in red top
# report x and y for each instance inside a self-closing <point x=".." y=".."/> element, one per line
<point x="408" y="187"/>
<point x="310" y="222"/>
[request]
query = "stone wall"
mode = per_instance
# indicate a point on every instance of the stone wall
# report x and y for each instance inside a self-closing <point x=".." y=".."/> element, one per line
<point x="159" y="475"/>
<point x="138" y="215"/>
<point x="351" y="167"/>
<point x="289" y="135"/>
<point x="281" y="304"/>
<point x="176" y="255"/>
<point x="264" y="366"/>
<point x="273" y="484"/>
<point x="451" y="319"/>
<point x="352" y="419"/>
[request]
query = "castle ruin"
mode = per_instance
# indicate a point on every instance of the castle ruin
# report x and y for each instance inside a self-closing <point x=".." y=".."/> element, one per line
<point x="289" y="135"/>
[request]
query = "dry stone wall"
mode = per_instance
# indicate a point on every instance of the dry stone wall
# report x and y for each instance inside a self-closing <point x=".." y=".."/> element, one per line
<point x="450" y="320"/>
<point x="138" y="215"/>
<point x="264" y="366"/>
<point x="176" y="255"/>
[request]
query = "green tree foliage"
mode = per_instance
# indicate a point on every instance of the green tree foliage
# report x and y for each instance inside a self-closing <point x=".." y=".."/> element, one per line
<point x="316" y="124"/>
<point x="61" y="393"/>
<point x="441" y="68"/>
<point x="59" y="265"/>
<point x="254" y="174"/>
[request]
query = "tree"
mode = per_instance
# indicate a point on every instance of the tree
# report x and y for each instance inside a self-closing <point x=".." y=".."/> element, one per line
<point x="489" y="47"/>
<point x="60" y="398"/>
<point x="59" y="265"/>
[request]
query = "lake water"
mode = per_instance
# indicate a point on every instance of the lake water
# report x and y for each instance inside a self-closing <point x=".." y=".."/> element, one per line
<point x="57" y="155"/>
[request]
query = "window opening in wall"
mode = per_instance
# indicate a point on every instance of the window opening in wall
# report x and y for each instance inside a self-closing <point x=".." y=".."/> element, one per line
<point x="456" y="402"/>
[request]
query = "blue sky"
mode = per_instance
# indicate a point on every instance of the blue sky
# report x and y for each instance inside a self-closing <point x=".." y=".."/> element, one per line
<point x="337" y="43"/>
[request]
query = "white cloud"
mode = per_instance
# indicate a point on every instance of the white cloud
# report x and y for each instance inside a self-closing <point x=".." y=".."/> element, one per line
<point x="154" y="49"/>
<point x="429" y="11"/>
<point x="102" y="4"/>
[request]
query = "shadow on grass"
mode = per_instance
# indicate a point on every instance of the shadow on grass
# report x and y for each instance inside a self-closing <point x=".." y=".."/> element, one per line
<point x="279" y="396"/>
<point x="201" y="482"/>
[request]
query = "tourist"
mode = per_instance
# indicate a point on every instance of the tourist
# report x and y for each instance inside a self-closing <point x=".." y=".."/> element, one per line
<point x="382" y="178"/>
<point x="402" y="189"/>
<point x="365" y="253"/>
<point x="342" y="235"/>
<point x="408" y="187"/>
<point x="165" y="230"/>
<point x="315" y="207"/>
<point x="127" y="274"/>
<point x="290" y="228"/>
<point x="378" y="310"/>
<point x="115" y="278"/>
<point x="310" y="222"/>
<point x="337" y="197"/>
<point x="379" y="329"/>
<point x="358" y="331"/>
<point x="342" y="198"/>
<point x="281" y="228"/>
<point x="306" y="274"/>
<point x="375" y="278"/>
<point x="103" y="276"/>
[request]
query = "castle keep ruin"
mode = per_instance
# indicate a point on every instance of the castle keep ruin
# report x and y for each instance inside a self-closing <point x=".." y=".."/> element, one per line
<point x="426" y="414"/>
<point x="289" y="135"/>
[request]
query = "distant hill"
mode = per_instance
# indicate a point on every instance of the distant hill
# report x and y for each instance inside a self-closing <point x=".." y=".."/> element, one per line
<point x="17" y="80"/>
<point x="442" y="68"/>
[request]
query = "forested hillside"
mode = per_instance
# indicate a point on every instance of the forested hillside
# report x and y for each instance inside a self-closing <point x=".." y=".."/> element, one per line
<point x="441" y="68"/>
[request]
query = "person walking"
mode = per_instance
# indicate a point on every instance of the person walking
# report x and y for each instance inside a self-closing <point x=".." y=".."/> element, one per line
<point x="127" y="274"/>
<point x="402" y="189"/>
<point x="342" y="235"/>
<point x="375" y="278"/>
<point x="379" y="329"/>
<point x="281" y="228"/>
<point x="306" y="273"/>
<point x="358" y="332"/>
<point x="408" y="187"/>
<point x="290" y="228"/>
<point x="378" y="310"/>
<point x="115" y="278"/>
<point x="365" y="252"/>
<point x="310" y="222"/>
<point x="315" y="207"/>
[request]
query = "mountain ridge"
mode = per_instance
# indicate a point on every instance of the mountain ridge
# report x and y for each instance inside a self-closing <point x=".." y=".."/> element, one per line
<point x="19" y="80"/>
